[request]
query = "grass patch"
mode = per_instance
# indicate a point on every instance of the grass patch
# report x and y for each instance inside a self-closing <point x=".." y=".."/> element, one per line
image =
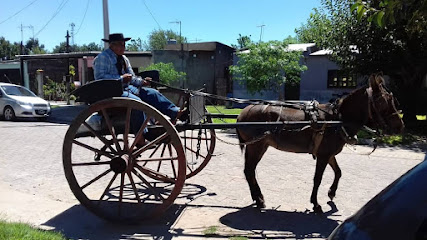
<point x="400" y="139"/>
<point x="210" y="230"/>
<point x="403" y="139"/>
<point x="238" y="238"/>
<point x="23" y="231"/>
<point x="223" y="110"/>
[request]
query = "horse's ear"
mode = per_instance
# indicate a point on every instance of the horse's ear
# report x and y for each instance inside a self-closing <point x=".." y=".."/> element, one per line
<point x="375" y="80"/>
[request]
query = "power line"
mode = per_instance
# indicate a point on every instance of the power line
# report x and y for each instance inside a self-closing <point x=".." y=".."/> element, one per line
<point x="143" y="1"/>
<point x="60" y="7"/>
<point x="84" y="16"/>
<point x="19" y="11"/>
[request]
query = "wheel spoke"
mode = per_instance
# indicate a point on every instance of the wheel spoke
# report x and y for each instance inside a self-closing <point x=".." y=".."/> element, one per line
<point x="90" y="164"/>
<point x="146" y="160"/>
<point x="108" y="187"/>
<point x="172" y="163"/>
<point x="140" y="131"/>
<point x="122" y="183"/>
<point x="189" y="149"/>
<point x="145" y="147"/>
<point x="151" y="172"/>
<point x="161" y="155"/>
<point x="104" y="153"/>
<point x="111" y="129"/>
<point x="127" y="129"/>
<point x="96" y="178"/>
<point x="149" y="186"/>
<point x="134" y="187"/>
<point x="100" y="137"/>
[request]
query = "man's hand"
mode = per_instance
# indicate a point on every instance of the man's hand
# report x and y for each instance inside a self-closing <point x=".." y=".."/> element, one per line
<point x="146" y="83"/>
<point x="127" y="77"/>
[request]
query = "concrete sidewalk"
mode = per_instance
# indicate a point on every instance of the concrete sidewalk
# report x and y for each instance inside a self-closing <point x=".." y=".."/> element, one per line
<point x="33" y="189"/>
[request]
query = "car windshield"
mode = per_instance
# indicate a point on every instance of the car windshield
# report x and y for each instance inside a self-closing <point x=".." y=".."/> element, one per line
<point x="17" y="91"/>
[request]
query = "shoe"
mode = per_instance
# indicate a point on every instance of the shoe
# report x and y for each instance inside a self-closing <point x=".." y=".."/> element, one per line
<point x="183" y="115"/>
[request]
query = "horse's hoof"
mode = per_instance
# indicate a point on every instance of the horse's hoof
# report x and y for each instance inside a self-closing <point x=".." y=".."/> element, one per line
<point x="260" y="203"/>
<point x="318" y="209"/>
<point x="331" y="194"/>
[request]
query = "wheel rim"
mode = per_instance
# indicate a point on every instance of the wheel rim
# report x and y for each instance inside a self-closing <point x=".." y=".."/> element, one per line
<point x="9" y="114"/>
<point x="199" y="145"/>
<point x="112" y="177"/>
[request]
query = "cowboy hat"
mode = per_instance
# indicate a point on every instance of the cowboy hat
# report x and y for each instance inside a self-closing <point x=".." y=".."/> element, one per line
<point x="116" y="37"/>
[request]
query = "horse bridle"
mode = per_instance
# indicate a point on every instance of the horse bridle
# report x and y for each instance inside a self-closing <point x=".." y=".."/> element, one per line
<point x="379" y="119"/>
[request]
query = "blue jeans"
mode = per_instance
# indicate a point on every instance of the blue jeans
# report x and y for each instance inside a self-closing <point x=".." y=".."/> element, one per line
<point x="154" y="98"/>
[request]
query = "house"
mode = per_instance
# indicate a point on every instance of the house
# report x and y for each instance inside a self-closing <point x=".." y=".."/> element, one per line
<point x="206" y="64"/>
<point x="285" y="92"/>
<point x="324" y="81"/>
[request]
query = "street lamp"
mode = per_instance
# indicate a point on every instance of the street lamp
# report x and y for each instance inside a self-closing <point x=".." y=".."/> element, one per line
<point x="182" y="50"/>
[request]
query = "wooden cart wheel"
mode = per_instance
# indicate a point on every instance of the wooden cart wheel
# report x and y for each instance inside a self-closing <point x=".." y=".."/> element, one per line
<point x="112" y="176"/>
<point x="199" y="145"/>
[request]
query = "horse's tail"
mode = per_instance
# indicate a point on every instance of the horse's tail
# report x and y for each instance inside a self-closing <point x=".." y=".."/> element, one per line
<point x="241" y="141"/>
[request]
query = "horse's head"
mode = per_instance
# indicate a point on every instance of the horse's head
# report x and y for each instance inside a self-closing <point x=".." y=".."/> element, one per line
<point x="382" y="109"/>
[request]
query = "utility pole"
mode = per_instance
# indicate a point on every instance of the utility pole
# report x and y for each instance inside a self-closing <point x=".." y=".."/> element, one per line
<point x="72" y="33"/>
<point x="67" y="75"/>
<point x="106" y="22"/>
<point x="182" y="51"/>
<point x="22" y="36"/>
<point x="260" y="35"/>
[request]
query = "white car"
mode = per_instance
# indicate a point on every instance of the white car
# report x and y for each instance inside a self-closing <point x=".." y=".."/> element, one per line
<point x="18" y="101"/>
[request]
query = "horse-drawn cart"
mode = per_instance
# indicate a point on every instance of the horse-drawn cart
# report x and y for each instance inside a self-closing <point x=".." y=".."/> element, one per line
<point x="122" y="181"/>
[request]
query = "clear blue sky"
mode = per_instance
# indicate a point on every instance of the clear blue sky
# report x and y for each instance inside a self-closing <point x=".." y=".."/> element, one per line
<point x="201" y="20"/>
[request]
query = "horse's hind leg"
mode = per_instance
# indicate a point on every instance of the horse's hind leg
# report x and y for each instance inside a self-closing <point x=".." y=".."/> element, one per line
<point x="333" y="163"/>
<point x="253" y="155"/>
<point x="320" y="169"/>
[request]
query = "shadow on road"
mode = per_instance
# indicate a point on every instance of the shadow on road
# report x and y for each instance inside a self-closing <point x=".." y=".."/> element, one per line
<point x="78" y="223"/>
<point x="297" y="225"/>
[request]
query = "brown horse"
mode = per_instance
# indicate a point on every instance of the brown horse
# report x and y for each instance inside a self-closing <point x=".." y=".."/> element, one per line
<point x="370" y="105"/>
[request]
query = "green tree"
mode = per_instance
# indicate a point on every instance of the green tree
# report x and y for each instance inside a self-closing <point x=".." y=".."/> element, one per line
<point x="135" y="45"/>
<point x="266" y="66"/>
<point x="316" y="29"/>
<point x="34" y="47"/>
<point x="157" y="39"/>
<point x="167" y="72"/>
<point x="243" y="42"/>
<point x="89" y="47"/>
<point x="61" y="48"/>
<point x="398" y="48"/>
<point x="8" y="50"/>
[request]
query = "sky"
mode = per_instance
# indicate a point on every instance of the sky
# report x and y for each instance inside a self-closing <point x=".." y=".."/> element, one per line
<point x="201" y="20"/>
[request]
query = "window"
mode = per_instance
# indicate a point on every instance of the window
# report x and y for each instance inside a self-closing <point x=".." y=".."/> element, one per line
<point x="339" y="79"/>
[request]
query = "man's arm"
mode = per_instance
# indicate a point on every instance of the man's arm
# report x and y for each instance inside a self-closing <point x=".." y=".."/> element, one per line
<point x="102" y="68"/>
<point x="135" y="81"/>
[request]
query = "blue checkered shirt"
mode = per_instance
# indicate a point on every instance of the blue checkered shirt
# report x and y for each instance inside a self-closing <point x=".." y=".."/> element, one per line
<point x="104" y="67"/>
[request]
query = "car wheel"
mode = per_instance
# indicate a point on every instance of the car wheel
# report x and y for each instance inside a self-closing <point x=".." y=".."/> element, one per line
<point x="9" y="114"/>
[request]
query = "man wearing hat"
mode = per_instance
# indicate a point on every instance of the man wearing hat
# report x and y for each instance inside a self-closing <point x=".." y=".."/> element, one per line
<point x="113" y="64"/>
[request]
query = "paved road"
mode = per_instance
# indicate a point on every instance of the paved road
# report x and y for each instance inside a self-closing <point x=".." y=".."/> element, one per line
<point x="33" y="189"/>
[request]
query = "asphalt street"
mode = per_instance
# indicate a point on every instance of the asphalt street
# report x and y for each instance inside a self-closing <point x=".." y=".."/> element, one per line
<point x="33" y="189"/>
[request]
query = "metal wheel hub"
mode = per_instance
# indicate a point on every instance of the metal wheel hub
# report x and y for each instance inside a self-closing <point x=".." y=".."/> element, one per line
<point x="120" y="164"/>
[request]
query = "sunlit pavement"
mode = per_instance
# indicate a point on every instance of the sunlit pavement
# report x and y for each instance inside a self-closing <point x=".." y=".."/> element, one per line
<point x="33" y="189"/>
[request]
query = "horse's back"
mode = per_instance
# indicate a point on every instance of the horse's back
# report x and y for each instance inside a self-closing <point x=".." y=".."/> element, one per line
<point x="268" y="113"/>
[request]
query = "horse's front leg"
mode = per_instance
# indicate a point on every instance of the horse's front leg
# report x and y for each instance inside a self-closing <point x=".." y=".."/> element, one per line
<point x="333" y="163"/>
<point x="320" y="169"/>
